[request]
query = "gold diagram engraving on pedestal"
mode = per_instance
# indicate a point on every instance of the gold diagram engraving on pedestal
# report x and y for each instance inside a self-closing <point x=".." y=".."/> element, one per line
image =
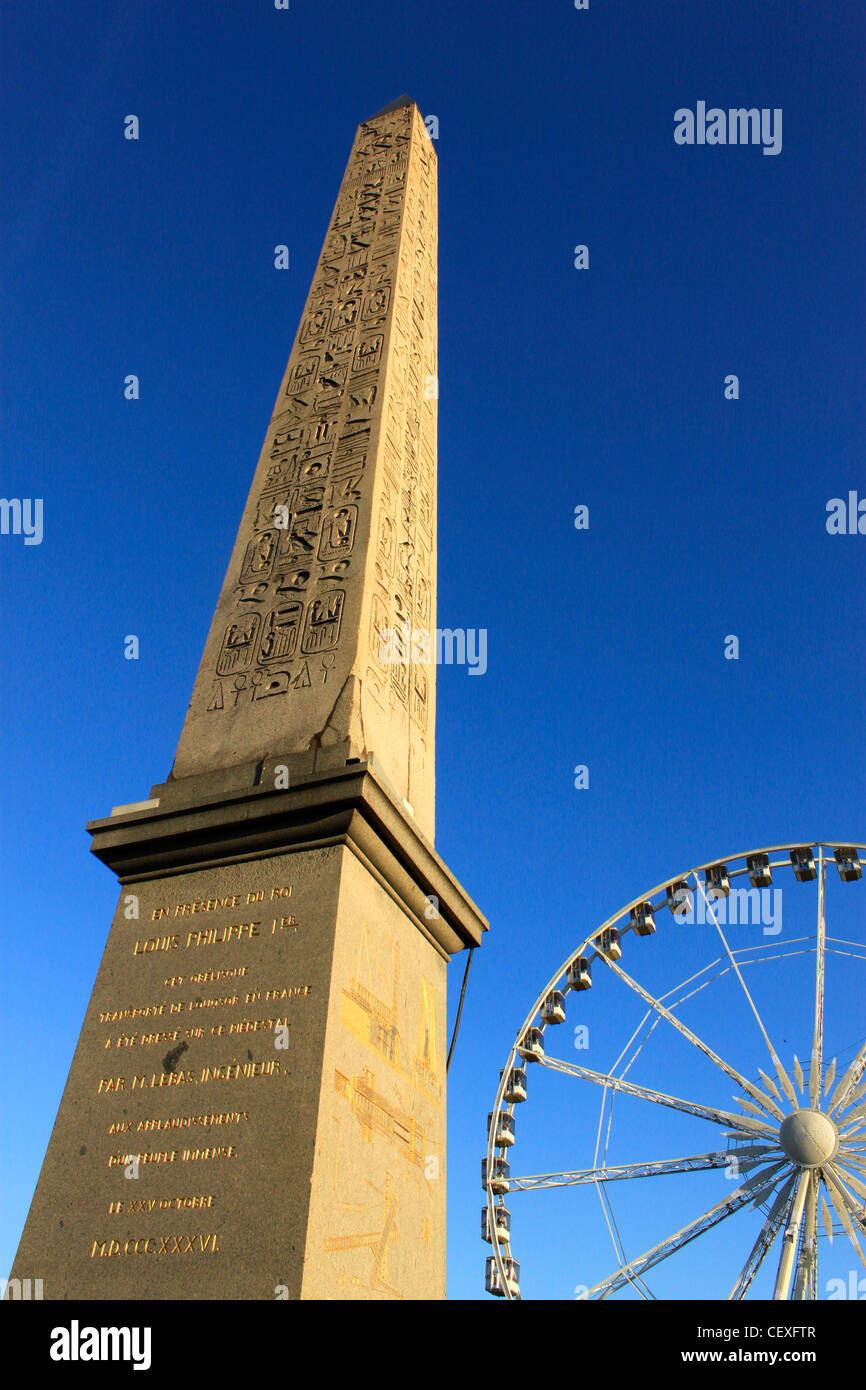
<point x="375" y="1021"/>
<point x="377" y="1242"/>
<point x="401" y="1110"/>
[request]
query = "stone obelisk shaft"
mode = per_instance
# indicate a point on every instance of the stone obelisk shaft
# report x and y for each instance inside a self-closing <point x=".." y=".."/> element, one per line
<point x="337" y="543"/>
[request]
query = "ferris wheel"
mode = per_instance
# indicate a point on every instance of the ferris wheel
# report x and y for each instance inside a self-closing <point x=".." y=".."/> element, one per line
<point x="790" y="1154"/>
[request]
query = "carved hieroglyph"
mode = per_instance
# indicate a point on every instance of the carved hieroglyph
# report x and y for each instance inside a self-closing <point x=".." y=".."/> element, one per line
<point x="337" y="543"/>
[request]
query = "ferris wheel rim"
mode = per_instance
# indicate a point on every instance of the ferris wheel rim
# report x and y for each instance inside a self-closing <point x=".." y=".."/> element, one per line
<point x="800" y="1197"/>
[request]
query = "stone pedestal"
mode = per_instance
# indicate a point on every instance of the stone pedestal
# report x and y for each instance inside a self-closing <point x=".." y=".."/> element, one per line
<point x="256" y="1106"/>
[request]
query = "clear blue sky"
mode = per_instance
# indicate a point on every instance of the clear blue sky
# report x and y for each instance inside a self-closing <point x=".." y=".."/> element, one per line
<point x="559" y="387"/>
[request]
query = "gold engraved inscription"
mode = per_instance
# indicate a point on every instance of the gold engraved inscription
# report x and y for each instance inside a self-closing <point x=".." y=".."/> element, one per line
<point x="225" y="1117"/>
<point x="170" y="1155"/>
<point x="150" y="1204"/>
<point x="157" y="1245"/>
<point x="216" y="1001"/>
<point x="148" y="1011"/>
<point x="256" y="895"/>
<point x="211" y="936"/>
<point x="229" y="1071"/>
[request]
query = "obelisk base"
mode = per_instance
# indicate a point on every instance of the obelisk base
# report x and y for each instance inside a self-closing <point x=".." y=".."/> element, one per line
<point x="256" y="1106"/>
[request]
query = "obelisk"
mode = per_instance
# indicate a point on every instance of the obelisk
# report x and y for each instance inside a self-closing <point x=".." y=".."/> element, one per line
<point x="256" y="1105"/>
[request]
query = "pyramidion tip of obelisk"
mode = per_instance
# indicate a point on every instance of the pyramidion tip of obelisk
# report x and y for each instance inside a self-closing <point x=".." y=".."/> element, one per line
<point x="404" y="100"/>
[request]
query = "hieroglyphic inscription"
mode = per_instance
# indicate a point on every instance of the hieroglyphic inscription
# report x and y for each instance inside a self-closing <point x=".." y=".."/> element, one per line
<point x="337" y="543"/>
<point x="404" y="524"/>
<point x="291" y="589"/>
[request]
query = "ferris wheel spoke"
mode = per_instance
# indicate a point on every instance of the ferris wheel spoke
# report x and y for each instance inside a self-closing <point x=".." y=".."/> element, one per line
<point x="841" y="1167"/>
<point x="844" y="1206"/>
<point x="806" y="1274"/>
<point x="794" y="1214"/>
<point x="852" y="1160"/>
<point x="745" y="1158"/>
<point x="743" y="1123"/>
<point x="827" y="1218"/>
<point x="856" y="1095"/>
<point x="764" y="1243"/>
<point x="752" y="1190"/>
<point x="816" y="1068"/>
<point x="770" y="1084"/>
<point x="766" y="1102"/>
<point x="853" y="1120"/>
<point x="849" y="1083"/>
<point x="784" y="1079"/>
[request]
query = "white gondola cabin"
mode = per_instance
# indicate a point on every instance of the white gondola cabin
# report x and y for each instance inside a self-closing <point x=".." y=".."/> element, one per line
<point x="679" y="898"/>
<point x="608" y="944"/>
<point x="717" y="881"/>
<point x="515" y="1086"/>
<point x="803" y="861"/>
<point x="848" y="863"/>
<point x="641" y="919"/>
<point x="553" y="1008"/>
<point x="532" y="1045"/>
<point x="501" y="1222"/>
<point x="493" y="1283"/>
<point x="500" y="1176"/>
<point x="578" y="974"/>
<point x="760" y="875"/>
<point x="505" y="1129"/>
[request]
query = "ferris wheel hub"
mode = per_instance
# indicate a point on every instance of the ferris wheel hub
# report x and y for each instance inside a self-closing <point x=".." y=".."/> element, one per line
<point x="809" y="1138"/>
